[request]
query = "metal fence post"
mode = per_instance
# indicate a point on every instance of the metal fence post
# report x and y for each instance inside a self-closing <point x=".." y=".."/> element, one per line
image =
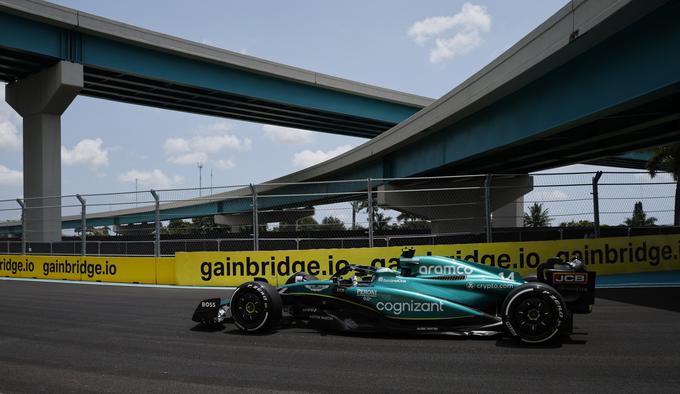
<point x="370" y="212"/>
<point x="83" y="225"/>
<point x="157" y="220"/>
<point x="256" y="225"/>
<point x="596" y="204"/>
<point x="487" y="206"/>
<point x="23" y="226"/>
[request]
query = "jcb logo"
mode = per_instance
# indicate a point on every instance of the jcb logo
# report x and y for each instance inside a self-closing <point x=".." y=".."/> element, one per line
<point x="570" y="278"/>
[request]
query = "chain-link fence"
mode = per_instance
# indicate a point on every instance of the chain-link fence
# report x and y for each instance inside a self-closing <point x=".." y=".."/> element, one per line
<point x="343" y="214"/>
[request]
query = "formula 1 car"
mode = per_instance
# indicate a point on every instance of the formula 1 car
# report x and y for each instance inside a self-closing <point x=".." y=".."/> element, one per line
<point x="425" y="294"/>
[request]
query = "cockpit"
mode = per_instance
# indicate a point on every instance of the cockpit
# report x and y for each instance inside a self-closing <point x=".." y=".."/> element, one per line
<point x="354" y="275"/>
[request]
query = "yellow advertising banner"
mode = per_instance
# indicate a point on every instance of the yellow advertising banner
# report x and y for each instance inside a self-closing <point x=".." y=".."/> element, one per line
<point x="90" y="268"/>
<point x="604" y="255"/>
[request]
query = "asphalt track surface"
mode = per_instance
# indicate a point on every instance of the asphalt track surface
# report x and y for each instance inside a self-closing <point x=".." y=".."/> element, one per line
<point x="59" y="337"/>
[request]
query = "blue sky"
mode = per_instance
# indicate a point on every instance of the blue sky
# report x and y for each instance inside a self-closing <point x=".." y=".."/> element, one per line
<point x="106" y="145"/>
<point x="426" y="48"/>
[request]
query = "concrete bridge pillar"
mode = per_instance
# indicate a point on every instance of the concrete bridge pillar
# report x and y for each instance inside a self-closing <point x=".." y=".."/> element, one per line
<point x="457" y="205"/>
<point x="40" y="99"/>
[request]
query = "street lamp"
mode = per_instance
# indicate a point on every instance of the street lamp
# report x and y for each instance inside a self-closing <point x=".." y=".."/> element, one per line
<point x="200" y="177"/>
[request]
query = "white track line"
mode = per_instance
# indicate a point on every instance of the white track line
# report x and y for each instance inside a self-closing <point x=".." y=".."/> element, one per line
<point x="82" y="282"/>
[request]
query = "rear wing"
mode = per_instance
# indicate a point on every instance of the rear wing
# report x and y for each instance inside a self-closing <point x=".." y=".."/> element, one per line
<point x="572" y="281"/>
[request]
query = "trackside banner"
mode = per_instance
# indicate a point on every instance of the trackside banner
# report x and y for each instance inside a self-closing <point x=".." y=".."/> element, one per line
<point x="604" y="255"/>
<point x="105" y="269"/>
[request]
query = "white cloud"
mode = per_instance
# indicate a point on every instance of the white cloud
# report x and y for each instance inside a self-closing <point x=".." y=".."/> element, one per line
<point x="288" y="135"/>
<point x="9" y="124"/>
<point x="154" y="178"/>
<point x="460" y="44"/>
<point x="220" y="126"/>
<point x="9" y="177"/>
<point x="547" y="195"/>
<point x="175" y="145"/>
<point x="215" y="143"/>
<point x="87" y="152"/>
<point x="659" y="177"/>
<point x="225" y="164"/>
<point x="9" y="137"/>
<point x="308" y="158"/>
<point x="204" y="143"/>
<point x="470" y="22"/>
<point x="191" y="158"/>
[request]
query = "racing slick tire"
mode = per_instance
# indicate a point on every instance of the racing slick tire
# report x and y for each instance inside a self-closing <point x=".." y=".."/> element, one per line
<point x="534" y="312"/>
<point x="256" y="307"/>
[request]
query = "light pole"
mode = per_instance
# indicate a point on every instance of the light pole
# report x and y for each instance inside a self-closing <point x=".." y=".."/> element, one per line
<point x="200" y="177"/>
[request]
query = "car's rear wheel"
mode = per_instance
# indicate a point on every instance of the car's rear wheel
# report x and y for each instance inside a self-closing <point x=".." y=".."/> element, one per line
<point x="256" y="307"/>
<point x="534" y="312"/>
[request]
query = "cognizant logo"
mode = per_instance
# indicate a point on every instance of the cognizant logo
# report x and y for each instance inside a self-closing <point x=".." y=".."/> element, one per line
<point x="397" y="308"/>
<point x="444" y="270"/>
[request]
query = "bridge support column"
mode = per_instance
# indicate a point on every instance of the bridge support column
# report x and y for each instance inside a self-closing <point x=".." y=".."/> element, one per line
<point x="510" y="215"/>
<point x="40" y="99"/>
<point x="457" y="205"/>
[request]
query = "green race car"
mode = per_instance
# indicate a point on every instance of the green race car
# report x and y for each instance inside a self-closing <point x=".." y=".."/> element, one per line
<point x="425" y="294"/>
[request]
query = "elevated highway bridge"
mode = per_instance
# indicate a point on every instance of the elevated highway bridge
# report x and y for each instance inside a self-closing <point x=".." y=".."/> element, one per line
<point x="594" y="81"/>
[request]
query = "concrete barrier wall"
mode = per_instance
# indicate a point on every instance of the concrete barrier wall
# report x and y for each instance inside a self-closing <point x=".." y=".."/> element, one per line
<point x="604" y="255"/>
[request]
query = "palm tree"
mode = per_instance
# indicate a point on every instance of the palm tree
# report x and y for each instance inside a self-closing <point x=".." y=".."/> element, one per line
<point x="537" y="216"/>
<point x="381" y="221"/>
<point x="580" y="223"/>
<point x="668" y="158"/>
<point x="356" y="208"/>
<point x="412" y="222"/>
<point x="639" y="218"/>
<point x="332" y="223"/>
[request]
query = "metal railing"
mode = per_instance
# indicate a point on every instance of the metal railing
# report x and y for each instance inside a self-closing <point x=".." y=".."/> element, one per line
<point x="349" y="213"/>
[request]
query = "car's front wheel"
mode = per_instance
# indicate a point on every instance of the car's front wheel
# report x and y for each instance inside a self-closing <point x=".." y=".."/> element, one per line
<point x="256" y="307"/>
<point x="534" y="312"/>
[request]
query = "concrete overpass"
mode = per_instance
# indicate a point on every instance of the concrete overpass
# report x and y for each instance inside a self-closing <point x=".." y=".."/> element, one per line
<point x="595" y="80"/>
<point x="50" y="54"/>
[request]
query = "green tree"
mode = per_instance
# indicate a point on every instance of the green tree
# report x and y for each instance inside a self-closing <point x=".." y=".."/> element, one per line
<point x="580" y="223"/>
<point x="200" y="225"/>
<point x="204" y="224"/>
<point x="332" y="223"/>
<point x="307" y="223"/>
<point x="537" y="216"/>
<point x="639" y="218"/>
<point x="381" y="221"/>
<point x="412" y="222"/>
<point x="177" y="226"/>
<point x="667" y="158"/>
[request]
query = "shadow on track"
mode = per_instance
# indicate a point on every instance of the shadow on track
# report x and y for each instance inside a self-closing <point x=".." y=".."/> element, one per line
<point x="653" y="297"/>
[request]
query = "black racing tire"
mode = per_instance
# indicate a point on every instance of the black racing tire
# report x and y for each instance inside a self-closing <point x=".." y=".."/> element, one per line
<point x="256" y="307"/>
<point x="534" y="312"/>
